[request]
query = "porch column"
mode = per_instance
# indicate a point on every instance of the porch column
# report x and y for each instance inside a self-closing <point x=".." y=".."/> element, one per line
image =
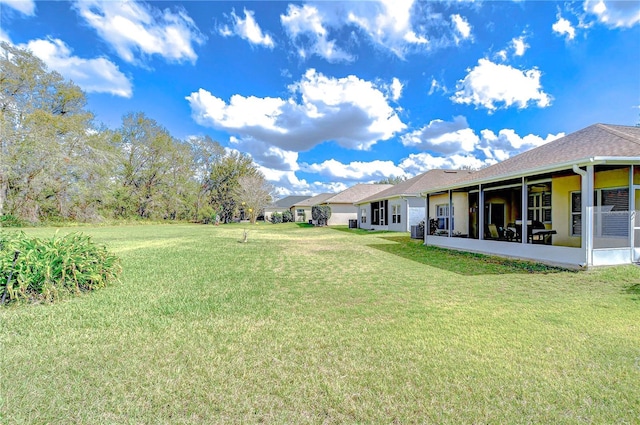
<point x="480" y="213"/>
<point x="450" y="224"/>
<point x="524" y="214"/>
<point x="587" y="213"/>
<point x="427" y="226"/>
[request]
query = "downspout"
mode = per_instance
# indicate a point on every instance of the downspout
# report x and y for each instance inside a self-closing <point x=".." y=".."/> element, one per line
<point x="587" y="242"/>
<point x="427" y="226"/>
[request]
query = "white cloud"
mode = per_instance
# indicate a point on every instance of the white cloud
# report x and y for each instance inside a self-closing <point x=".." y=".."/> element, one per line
<point x="462" y="28"/>
<point x="352" y="112"/>
<point x="355" y="171"/>
<point x="615" y="14"/>
<point x="134" y="29"/>
<point x="395" y="89"/>
<point x="306" y="22"/>
<point x="419" y="163"/>
<point x="519" y="46"/>
<point x="488" y="84"/>
<point x="443" y="137"/>
<point x="248" y="29"/>
<point x="564" y="28"/>
<point x="97" y="75"/>
<point x="271" y="157"/>
<point x="26" y="7"/>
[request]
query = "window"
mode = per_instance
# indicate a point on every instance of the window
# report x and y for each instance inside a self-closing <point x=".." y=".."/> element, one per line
<point x="442" y="216"/>
<point x="395" y="213"/>
<point x="611" y="219"/>
<point x="363" y="215"/>
<point x="539" y="207"/>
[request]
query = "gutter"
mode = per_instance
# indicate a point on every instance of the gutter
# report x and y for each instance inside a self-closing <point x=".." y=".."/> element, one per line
<point x="596" y="160"/>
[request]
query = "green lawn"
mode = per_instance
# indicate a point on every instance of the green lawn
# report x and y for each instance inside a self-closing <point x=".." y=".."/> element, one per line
<point x="314" y="325"/>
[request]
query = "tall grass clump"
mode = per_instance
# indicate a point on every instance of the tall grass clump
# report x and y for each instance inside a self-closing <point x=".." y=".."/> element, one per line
<point x="35" y="269"/>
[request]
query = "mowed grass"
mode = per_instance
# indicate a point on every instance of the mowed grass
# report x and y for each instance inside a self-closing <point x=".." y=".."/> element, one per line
<point x="317" y="326"/>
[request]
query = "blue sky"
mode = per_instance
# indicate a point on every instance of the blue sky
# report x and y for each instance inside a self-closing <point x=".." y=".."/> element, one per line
<point x="327" y="94"/>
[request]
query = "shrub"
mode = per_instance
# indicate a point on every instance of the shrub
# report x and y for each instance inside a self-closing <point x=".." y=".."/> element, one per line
<point x="321" y="214"/>
<point x="9" y="220"/>
<point x="47" y="269"/>
<point x="287" y="217"/>
<point x="276" y="218"/>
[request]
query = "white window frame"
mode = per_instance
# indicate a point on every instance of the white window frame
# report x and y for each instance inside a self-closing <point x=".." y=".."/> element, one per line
<point x="396" y="213"/>
<point x="442" y="213"/>
<point x="363" y="215"/>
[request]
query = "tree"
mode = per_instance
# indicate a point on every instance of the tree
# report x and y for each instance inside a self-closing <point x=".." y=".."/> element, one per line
<point x="224" y="183"/>
<point x="392" y="180"/>
<point x="206" y="153"/>
<point x="47" y="144"/>
<point x="321" y="214"/>
<point x="154" y="172"/>
<point x="253" y="193"/>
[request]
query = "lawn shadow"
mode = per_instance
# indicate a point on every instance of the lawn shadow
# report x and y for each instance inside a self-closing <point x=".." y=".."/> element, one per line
<point x="633" y="290"/>
<point x="304" y="225"/>
<point x="464" y="263"/>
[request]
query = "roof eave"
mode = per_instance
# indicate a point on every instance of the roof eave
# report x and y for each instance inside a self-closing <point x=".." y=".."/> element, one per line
<point x="595" y="160"/>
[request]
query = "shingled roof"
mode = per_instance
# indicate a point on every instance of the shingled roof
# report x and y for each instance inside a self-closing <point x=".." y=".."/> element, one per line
<point x="418" y="184"/>
<point x="315" y="200"/>
<point x="287" y="201"/>
<point x="355" y="193"/>
<point x="598" y="142"/>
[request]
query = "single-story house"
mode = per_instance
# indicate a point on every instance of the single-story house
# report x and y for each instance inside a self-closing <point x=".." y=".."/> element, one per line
<point x="302" y="210"/>
<point x="343" y="206"/>
<point x="282" y="205"/>
<point x="402" y="205"/>
<point x="573" y="201"/>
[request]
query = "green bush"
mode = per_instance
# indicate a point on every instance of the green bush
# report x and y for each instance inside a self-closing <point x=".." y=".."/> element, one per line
<point x="287" y="216"/>
<point x="47" y="269"/>
<point x="276" y="218"/>
<point x="9" y="220"/>
<point x="321" y="214"/>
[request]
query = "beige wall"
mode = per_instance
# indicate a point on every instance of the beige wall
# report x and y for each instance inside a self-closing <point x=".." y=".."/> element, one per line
<point x="342" y="213"/>
<point x="460" y="210"/>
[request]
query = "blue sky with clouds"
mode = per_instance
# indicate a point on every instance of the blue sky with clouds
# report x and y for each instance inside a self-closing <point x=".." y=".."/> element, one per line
<point x="327" y="94"/>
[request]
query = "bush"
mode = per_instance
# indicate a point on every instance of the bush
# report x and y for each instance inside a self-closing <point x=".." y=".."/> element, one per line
<point x="8" y="220"/>
<point x="321" y="214"/>
<point x="276" y="218"/>
<point x="47" y="269"/>
<point x="287" y="217"/>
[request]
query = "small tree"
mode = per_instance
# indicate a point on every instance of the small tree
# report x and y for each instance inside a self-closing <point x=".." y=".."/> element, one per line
<point x="287" y="217"/>
<point x="321" y="214"/>
<point x="254" y="193"/>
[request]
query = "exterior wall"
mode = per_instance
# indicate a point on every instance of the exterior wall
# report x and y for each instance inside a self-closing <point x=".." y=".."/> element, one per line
<point x="416" y="206"/>
<point x="342" y="213"/>
<point x="300" y="218"/>
<point x="367" y="224"/>
<point x="559" y="255"/>
<point x="269" y="211"/>
<point x="460" y="210"/>
<point x="397" y="227"/>
<point x="561" y="188"/>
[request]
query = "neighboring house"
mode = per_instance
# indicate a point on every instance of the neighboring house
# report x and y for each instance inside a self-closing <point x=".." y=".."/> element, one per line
<point x="282" y="205"/>
<point x="574" y="201"/>
<point x="302" y="210"/>
<point x="402" y="205"/>
<point x="343" y="206"/>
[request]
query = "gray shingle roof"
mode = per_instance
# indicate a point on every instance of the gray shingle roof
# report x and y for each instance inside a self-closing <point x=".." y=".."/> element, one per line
<point x="355" y="193"/>
<point x="287" y="201"/>
<point x="418" y="184"/>
<point x="315" y="200"/>
<point x="593" y="142"/>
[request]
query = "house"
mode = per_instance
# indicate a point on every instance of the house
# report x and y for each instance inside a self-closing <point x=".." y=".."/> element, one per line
<point x="302" y="210"/>
<point x="574" y="201"/>
<point x="282" y="205"/>
<point x="343" y="206"/>
<point x="402" y="205"/>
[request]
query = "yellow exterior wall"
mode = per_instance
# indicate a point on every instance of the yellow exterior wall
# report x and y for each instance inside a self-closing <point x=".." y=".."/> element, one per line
<point x="636" y="174"/>
<point x="460" y="210"/>
<point x="561" y="188"/>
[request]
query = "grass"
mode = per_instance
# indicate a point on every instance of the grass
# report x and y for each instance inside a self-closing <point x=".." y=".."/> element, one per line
<point x="313" y="325"/>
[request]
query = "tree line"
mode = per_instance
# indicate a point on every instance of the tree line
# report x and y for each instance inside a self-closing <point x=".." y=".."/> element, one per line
<point x="57" y="164"/>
